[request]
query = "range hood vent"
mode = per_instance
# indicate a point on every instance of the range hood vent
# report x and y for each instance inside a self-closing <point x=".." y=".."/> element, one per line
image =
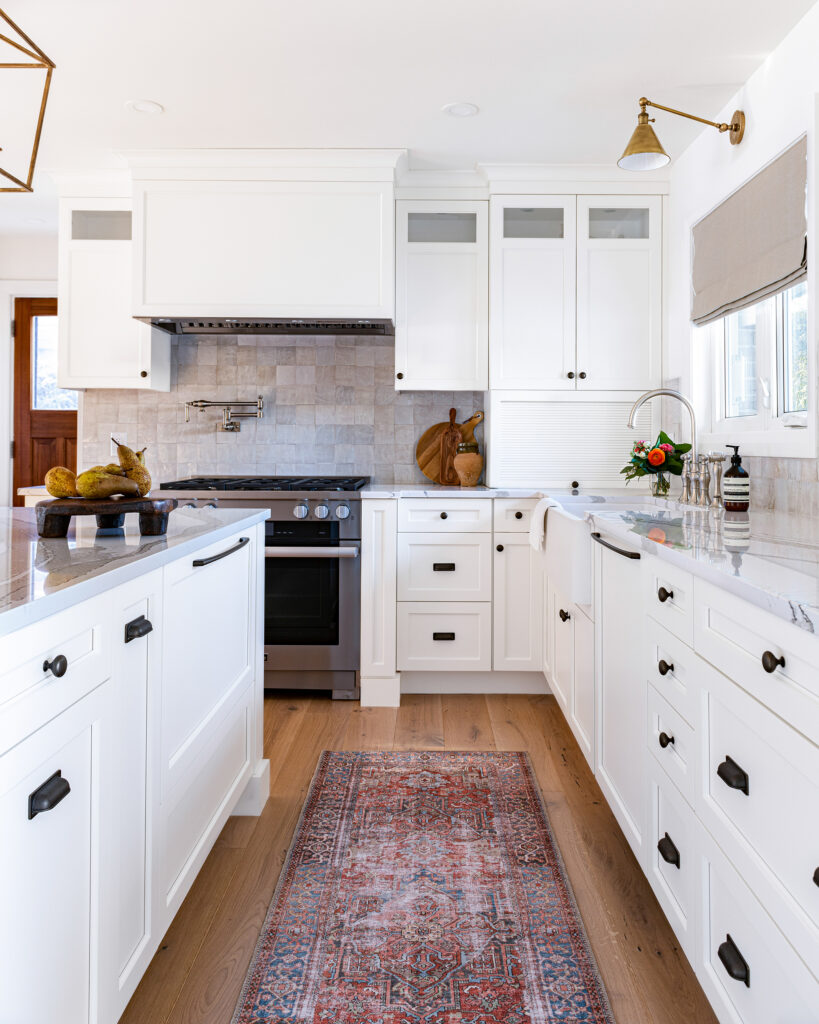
<point x="237" y="325"/>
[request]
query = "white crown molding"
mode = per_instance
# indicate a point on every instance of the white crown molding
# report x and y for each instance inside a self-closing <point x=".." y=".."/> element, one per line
<point x="586" y="178"/>
<point x="112" y="183"/>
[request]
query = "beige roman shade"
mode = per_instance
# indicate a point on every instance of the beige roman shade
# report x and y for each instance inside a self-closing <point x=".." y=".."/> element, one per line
<point x="754" y="244"/>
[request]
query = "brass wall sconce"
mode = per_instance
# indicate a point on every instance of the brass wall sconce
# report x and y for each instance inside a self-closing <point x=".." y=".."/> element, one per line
<point x="644" y="151"/>
<point x="37" y="60"/>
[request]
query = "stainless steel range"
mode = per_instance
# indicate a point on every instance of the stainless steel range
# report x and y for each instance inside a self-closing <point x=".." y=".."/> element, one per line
<point x="312" y="612"/>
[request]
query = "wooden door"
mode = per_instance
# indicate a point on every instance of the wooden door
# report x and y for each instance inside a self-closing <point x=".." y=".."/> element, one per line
<point x="45" y="416"/>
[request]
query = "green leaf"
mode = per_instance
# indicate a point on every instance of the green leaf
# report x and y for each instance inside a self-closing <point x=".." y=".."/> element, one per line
<point x="681" y="449"/>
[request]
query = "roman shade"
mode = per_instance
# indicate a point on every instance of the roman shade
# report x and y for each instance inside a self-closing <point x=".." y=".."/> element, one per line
<point x="754" y="244"/>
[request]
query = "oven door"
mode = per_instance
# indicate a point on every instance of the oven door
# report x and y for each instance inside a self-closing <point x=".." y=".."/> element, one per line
<point x="312" y="612"/>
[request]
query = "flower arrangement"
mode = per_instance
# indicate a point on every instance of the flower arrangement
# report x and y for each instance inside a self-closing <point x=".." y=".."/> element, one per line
<point x="657" y="460"/>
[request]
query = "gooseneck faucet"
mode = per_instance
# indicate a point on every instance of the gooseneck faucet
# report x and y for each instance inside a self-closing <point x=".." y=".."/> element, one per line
<point x="692" y="461"/>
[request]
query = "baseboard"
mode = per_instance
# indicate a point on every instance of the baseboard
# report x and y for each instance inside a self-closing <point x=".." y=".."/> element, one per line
<point x="381" y="692"/>
<point x="251" y="802"/>
<point x="473" y="682"/>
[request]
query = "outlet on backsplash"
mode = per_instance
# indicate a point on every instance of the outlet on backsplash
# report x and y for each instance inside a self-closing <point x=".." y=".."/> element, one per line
<point x="121" y="436"/>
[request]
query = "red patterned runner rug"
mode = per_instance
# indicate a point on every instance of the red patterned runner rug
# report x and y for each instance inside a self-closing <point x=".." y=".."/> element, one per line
<point x="423" y="888"/>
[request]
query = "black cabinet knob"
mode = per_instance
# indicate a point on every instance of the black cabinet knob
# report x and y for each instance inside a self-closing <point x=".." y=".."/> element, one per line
<point x="575" y="484"/>
<point x="57" y="666"/>
<point x="518" y="515"/>
<point x="663" y="667"/>
<point x="664" y="595"/>
<point x="771" y="663"/>
<point x="444" y="515"/>
<point x="570" y="375"/>
<point x="564" y="616"/>
<point x="137" y="628"/>
<point x="48" y="795"/>
<point x="816" y="877"/>
<point x="733" y="776"/>
<point x="143" y="373"/>
<point x="582" y="375"/>
<point x="499" y="547"/>
<point x="734" y="962"/>
<point x="668" y="851"/>
<point x="400" y="376"/>
<point x="665" y="739"/>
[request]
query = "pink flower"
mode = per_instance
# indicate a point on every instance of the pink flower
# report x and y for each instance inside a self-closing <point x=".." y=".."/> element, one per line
<point x="667" y="447"/>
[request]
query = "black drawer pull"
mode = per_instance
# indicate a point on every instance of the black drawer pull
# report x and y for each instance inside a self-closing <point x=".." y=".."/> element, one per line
<point x="665" y="739"/>
<point x="564" y="616"/>
<point x="612" y="547"/>
<point x="668" y="851"/>
<point x="443" y="636"/>
<point x="518" y="515"/>
<point x="734" y="962"/>
<point x="58" y="666"/>
<point x="443" y="567"/>
<point x="771" y="663"/>
<point x="664" y="668"/>
<point x="664" y="595"/>
<point x="46" y="797"/>
<point x="137" y="627"/>
<point x="223" y="554"/>
<point x="733" y="776"/>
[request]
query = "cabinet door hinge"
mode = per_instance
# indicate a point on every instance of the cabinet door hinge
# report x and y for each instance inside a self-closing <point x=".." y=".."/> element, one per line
<point x="11" y="449"/>
<point x="13" y="328"/>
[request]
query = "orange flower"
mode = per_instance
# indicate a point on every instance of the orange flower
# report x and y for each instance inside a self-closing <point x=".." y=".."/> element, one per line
<point x="656" y="457"/>
<point x="656" y="534"/>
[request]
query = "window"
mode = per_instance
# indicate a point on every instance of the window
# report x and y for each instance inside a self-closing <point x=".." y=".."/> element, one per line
<point x="45" y="393"/>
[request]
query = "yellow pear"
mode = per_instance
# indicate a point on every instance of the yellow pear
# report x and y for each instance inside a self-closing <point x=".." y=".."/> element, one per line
<point x="141" y="476"/>
<point x="128" y="458"/>
<point x="61" y="482"/>
<point x="97" y="483"/>
<point x="115" y="468"/>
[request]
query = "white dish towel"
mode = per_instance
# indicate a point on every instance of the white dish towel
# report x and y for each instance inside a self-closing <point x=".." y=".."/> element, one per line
<point x="537" y="524"/>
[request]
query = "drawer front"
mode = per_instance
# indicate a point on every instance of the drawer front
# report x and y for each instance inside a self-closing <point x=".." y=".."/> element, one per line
<point x="672" y="852"/>
<point x="780" y="989"/>
<point x="445" y="515"/>
<point x="669" y="597"/>
<point x="673" y="669"/>
<point x="432" y="567"/>
<point x="672" y="742"/>
<point x="760" y="801"/>
<point x="736" y="636"/>
<point x="436" y="636"/>
<point x="30" y="693"/>
<point x="513" y="515"/>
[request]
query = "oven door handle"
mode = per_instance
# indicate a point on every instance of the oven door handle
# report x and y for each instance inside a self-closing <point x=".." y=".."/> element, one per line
<point x="309" y="552"/>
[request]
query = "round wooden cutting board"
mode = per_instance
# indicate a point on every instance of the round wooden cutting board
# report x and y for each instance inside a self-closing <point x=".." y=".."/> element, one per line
<point x="428" y="449"/>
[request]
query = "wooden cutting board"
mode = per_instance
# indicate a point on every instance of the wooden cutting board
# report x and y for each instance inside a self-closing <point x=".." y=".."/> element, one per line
<point x="428" y="449"/>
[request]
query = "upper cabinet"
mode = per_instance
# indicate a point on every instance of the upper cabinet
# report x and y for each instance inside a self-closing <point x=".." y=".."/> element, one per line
<point x="100" y="344"/>
<point x="441" y="316"/>
<point x="239" y="248"/>
<point x="532" y="285"/>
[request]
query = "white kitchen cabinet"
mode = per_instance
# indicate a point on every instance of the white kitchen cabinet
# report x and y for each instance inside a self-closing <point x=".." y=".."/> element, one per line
<point x="532" y="292"/>
<point x="100" y="343"/>
<point x="433" y="567"/>
<point x="262" y="248"/>
<point x="562" y="678"/>
<point x="441" y="309"/>
<point x="619" y="292"/>
<point x="435" y="636"/>
<point x="48" y="861"/>
<point x="581" y="707"/>
<point x="516" y="607"/>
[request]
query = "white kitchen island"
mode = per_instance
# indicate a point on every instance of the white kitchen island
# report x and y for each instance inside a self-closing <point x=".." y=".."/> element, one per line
<point x="131" y="673"/>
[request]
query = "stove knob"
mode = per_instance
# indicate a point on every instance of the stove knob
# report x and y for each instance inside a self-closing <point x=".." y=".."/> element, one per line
<point x="343" y="512"/>
<point x="321" y="511"/>
<point x="301" y="511"/>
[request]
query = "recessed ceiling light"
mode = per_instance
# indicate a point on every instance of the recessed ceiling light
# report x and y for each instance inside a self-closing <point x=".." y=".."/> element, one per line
<point x="145" y="107"/>
<point x="460" y="109"/>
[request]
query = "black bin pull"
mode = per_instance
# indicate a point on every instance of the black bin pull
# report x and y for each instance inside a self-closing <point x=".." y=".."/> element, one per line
<point x="733" y="776"/>
<point x="48" y="795"/>
<point x="137" y="628"/>
<point x="443" y="636"/>
<point x="668" y="851"/>
<point x="771" y="663"/>
<point x="734" y="962"/>
<point x="57" y="666"/>
<point x="443" y="567"/>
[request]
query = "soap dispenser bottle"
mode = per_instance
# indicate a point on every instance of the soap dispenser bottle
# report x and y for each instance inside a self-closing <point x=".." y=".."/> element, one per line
<point x="736" y="484"/>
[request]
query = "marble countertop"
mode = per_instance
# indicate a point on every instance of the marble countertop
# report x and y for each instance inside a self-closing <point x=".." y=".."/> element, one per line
<point x="431" y="490"/>
<point x="767" y="558"/>
<point x="39" y="577"/>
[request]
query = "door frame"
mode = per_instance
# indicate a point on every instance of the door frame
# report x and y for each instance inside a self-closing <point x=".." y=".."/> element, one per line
<point x="9" y="291"/>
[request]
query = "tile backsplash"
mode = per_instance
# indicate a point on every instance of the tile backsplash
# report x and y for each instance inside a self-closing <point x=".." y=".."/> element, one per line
<point x="787" y="485"/>
<point x="329" y="407"/>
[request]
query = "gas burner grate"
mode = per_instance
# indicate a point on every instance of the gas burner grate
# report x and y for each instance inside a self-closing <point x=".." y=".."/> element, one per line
<point x="267" y="483"/>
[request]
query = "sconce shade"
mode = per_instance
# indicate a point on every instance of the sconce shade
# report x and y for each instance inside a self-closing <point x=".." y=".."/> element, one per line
<point x="643" y="152"/>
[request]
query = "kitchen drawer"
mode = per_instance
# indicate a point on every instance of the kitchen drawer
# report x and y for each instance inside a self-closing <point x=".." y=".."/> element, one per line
<point x="673" y="852"/>
<point x="735" y="635"/>
<point x="779" y="988"/>
<point x="669" y="597"/>
<point x="436" y="636"/>
<point x="433" y="567"/>
<point x="31" y="694"/>
<point x="762" y="808"/>
<point x="513" y="515"/>
<point x="445" y="515"/>
<point x="673" y="669"/>
<point x="672" y="742"/>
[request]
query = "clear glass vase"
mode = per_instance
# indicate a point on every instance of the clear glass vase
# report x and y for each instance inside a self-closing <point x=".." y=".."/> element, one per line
<point x="659" y="485"/>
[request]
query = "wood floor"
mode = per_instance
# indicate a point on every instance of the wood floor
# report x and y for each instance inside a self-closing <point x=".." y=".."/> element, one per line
<point x="197" y="974"/>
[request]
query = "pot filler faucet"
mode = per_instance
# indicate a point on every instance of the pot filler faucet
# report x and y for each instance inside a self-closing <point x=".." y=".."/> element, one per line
<point x="695" y="475"/>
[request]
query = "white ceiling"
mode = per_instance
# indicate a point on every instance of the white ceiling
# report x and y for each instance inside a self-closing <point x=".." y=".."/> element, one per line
<point x="556" y="82"/>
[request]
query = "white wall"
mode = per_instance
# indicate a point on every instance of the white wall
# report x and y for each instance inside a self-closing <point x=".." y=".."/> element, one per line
<point x="780" y="104"/>
<point x="28" y="257"/>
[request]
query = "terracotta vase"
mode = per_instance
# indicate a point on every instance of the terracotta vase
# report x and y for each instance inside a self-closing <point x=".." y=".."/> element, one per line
<point x="468" y="466"/>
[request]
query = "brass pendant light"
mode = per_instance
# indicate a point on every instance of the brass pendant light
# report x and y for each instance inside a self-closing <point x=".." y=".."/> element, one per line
<point x="644" y="151"/>
<point x="36" y="61"/>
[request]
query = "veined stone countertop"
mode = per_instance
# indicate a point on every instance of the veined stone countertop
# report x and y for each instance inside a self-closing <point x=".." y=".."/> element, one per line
<point x="440" y="491"/>
<point x="767" y="558"/>
<point x="39" y="576"/>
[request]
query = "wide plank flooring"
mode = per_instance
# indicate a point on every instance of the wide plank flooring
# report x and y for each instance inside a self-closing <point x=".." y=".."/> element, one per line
<point x="197" y="974"/>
